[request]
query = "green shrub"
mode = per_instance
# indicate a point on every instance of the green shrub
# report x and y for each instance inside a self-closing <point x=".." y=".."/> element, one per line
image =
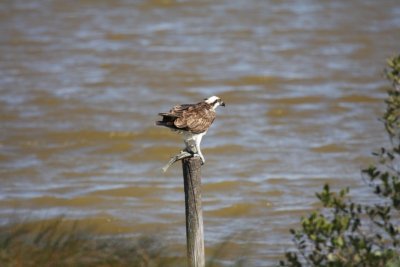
<point x="346" y="233"/>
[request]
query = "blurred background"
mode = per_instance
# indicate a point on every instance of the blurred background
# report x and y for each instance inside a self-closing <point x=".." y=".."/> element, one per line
<point x="81" y="83"/>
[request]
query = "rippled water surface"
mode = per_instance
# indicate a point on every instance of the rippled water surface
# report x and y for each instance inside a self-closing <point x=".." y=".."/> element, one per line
<point x="81" y="83"/>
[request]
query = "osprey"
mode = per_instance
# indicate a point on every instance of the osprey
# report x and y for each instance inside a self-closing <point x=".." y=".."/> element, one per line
<point x="192" y="120"/>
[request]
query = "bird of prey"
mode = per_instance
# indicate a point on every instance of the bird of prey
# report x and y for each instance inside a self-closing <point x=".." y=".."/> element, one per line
<point x="192" y="121"/>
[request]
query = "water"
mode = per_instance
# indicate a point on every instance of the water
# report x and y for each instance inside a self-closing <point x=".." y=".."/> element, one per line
<point x="81" y="84"/>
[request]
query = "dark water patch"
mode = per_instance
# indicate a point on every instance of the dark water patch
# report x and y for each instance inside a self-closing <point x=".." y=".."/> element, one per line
<point x="295" y="212"/>
<point x="227" y="133"/>
<point x="115" y="148"/>
<point x="235" y="210"/>
<point x="270" y="193"/>
<point x="363" y="161"/>
<point x="255" y="80"/>
<point x="228" y="149"/>
<point x="329" y="148"/>
<point x="156" y="134"/>
<point x="258" y="166"/>
<point x="130" y="192"/>
<point x="359" y="99"/>
<point x="159" y="153"/>
<point x="162" y="4"/>
<point x="228" y="185"/>
<point x="290" y="113"/>
<point x="301" y="100"/>
<point x="338" y="108"/>
<point x="44" y="99"/>
<point x="87" y="135"/>
<point x="59" y="141"/>
<point x="311" y="182"/>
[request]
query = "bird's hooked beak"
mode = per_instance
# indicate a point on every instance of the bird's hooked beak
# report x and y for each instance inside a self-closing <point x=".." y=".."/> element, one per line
<point x="222" y="103"/>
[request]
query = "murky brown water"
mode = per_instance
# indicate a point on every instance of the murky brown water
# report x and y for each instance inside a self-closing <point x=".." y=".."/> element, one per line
<point x="81" y="83"/>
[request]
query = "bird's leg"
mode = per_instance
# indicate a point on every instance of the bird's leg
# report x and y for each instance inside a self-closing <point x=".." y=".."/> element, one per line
<point x="193" y="146"/>
<point x="197" y="140"/>
<point x="201" y="157"/>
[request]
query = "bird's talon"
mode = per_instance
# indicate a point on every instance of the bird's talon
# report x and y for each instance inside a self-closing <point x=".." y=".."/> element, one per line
<point x="190" y="152"/>
<point x="201" y="157"/>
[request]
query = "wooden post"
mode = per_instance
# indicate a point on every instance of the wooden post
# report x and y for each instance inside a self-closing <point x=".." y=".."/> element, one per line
<point x="194" y="215"/>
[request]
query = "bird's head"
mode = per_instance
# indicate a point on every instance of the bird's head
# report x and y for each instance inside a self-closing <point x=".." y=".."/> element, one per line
<point x="214" y="101"/>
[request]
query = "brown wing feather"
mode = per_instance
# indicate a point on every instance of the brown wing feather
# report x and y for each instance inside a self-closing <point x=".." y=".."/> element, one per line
<point x="195" y="118"/>
<point x="170" y="117"/>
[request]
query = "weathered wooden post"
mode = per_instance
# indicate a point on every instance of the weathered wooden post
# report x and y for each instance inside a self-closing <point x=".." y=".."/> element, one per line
<point x="191" y="167"/>
<point x="193" y="121"/>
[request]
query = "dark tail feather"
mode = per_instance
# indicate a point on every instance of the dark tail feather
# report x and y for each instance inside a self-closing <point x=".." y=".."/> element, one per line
<point x="167" y="120"/>
<point x="169" y="124"/>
